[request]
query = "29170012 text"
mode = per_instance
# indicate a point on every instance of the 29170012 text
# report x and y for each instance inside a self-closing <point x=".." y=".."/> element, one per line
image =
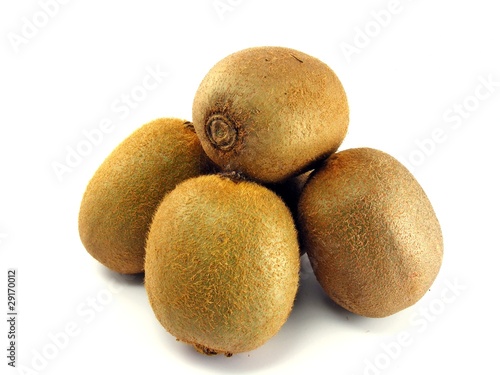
<point x="11" y="317"/>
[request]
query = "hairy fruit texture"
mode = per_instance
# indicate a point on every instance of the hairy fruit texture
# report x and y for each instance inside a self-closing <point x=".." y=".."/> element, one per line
<point x="270" y="113"/>
<point x="122" y="196"/>
<point x="222" y="264"/>
<point x="369" y="229"/>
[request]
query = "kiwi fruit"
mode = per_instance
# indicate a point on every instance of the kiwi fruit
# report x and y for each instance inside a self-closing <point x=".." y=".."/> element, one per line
<point x="123" y="194"/>
<point x="270" y="113"/>
<point x="372" y="236"/>
<point x="222" y="264"/>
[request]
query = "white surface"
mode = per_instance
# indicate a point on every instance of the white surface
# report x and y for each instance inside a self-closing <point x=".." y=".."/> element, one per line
<point x="403" y="87"/>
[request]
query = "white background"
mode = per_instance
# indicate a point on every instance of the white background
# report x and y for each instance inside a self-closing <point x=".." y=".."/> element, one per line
<point x="418" y="74"/>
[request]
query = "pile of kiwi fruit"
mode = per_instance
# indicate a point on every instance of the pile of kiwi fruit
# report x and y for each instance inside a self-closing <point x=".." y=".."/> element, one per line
<point x="217" y="211"/>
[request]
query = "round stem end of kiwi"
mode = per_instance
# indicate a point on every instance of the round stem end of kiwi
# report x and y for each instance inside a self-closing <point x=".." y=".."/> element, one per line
<point x="221" y="132"/>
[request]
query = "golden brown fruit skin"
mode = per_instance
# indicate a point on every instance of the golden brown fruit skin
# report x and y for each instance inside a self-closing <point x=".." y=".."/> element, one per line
<point x="371" y="233"/>
<point x="222" y="264"/>
<point x="122" y="196"/>
<point x="270" y="113"/>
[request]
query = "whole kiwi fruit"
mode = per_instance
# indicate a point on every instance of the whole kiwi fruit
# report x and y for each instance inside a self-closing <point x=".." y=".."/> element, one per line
<point x="123" y="194"/>
<point x="372" y="236"/>
<point x="270" y="113"/>
<point x="222" y="264"/>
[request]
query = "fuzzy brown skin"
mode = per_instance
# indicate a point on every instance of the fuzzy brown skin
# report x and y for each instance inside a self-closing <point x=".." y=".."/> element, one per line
<point x="270" y="113"/>
<point x="222" y="264"/>
<point x="122" y="196"/>
<point x="370" y="232"/>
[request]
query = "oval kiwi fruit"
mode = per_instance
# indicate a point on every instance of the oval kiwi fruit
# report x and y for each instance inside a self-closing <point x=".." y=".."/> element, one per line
<point x="369" y="229"/>
<point x="123" y="194"/>
<point x="270" y="113"/>
<point x="222" y="264"/>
